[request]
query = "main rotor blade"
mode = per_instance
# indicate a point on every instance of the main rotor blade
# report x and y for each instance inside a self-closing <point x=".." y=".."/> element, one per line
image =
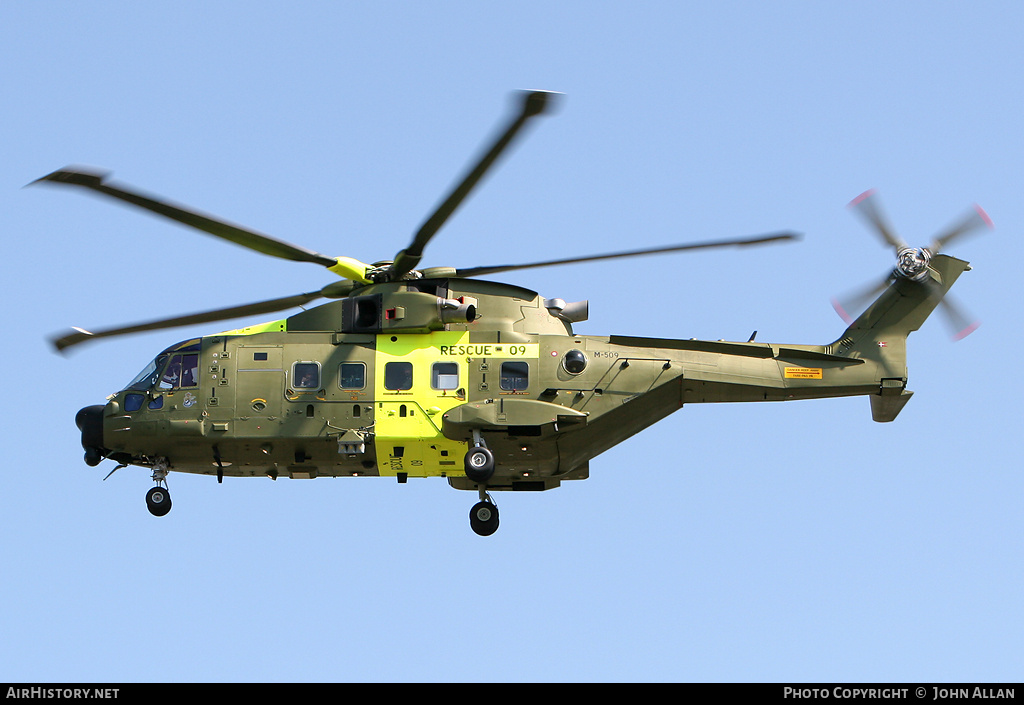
<point x="533" y="104"/>
<point x="80" y="336"/>
<point x="867" y="206"/>
<point x="761" y="239"/>
<point x="212" y="225"/>
<point x="972" y="222"/>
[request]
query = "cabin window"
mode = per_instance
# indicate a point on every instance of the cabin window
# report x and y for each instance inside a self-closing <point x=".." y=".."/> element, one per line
<point x="306" y="375"/>
<point x="181" y="371"/>
<point x="352" y="375"/>
<point x="515" y="376"/>
<point x="398" y="376"/>
<point x="444" y="375"/>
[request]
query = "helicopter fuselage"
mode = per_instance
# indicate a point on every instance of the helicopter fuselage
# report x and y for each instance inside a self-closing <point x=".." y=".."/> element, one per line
<point x="402" y="379"/>
<point x="433" y="372"/>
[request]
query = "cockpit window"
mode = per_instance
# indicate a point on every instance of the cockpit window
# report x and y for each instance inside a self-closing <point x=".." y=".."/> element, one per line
<point x="149" y="376"/>
<point x="181" y="371"/>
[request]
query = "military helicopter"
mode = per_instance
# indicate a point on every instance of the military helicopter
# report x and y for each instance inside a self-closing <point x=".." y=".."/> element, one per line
<point x="435" y="372"/>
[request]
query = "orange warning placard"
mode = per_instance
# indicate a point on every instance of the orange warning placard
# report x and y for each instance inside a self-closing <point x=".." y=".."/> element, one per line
<point x="802" y="373"/>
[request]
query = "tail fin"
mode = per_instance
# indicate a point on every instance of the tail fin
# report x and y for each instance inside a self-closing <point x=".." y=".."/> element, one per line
<point x="879" y="334"/>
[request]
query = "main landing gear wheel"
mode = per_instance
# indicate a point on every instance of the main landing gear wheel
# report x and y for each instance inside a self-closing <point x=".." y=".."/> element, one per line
<point x="158" y="500"/>
<point x="483" y="518"/>
<point x="479" y="464"/>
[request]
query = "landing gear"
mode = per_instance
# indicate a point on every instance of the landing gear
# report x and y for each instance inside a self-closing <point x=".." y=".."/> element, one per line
<point x="483" y="517"/>
<point x="158" y="500"/>
<point x="479" y="461"/>
<point x="479" y="464"/>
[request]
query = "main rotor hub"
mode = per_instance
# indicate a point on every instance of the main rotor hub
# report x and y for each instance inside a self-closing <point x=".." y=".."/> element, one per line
<point x="380" y="272"/>
<point x="913" y="262"/>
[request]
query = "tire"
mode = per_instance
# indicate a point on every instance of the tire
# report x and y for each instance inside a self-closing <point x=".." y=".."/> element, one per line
<point x="158" y="501"/>
<point x="483" y="518"/>
<point x="479" y="464"/>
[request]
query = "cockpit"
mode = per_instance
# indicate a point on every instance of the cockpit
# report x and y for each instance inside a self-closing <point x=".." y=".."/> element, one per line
<point x="177" y="367"/>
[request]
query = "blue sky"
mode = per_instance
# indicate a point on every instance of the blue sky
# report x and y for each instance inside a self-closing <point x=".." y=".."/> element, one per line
<point x="774" y="542"/>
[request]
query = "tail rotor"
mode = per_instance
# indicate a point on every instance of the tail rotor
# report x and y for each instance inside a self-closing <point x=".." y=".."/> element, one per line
<point x="913" y="263"/>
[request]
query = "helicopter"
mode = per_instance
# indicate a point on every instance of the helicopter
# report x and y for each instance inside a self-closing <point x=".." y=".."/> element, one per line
<point x="410" y="372"/>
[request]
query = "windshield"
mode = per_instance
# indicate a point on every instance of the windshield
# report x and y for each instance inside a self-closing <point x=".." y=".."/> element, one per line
<point x="150" y="375"/>
<point x="147" y="378"/>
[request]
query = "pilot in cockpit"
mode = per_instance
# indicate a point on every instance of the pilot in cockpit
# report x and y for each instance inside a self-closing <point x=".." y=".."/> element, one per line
<point x="190" y="372"/>
<point x="172" y="375"/>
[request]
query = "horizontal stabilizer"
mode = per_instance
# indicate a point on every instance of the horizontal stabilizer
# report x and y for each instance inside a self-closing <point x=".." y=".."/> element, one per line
<point x="885" y="408"/>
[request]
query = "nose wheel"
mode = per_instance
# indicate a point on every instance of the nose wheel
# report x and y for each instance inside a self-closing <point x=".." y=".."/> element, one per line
<point x="158" y="499"/>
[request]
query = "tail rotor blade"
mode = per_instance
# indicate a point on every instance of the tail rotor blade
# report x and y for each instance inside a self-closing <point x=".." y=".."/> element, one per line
<point x="849" y="306"/>
<point x="960" y="324"/>
<point x="974" y="221"/>
<point x="868" y="207"/>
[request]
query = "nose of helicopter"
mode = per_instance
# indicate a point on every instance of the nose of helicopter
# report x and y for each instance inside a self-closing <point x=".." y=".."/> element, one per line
<point x="90" y="422"/>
